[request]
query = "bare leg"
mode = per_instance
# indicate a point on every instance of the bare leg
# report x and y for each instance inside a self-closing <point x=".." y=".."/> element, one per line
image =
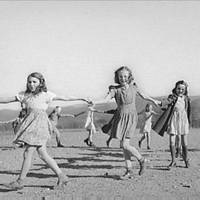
<point x="172" y="150"/>
<point x="48" y="160"/>
<point x="148" y="140"/>
<point x="185" y="150"/>
<point x="18" y="184"/>
<point x="108" y="141"/>
<point x="62" y="179"/>
<point x="28" y="153"/>
<point x="57" y="133"/>
<point x="132" y="151"/>
<point x="142" y="138"/>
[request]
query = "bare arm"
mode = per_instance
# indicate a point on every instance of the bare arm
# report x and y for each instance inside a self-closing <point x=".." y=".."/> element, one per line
<point x="76" y="115"/>
<point x="8" y="99"/>
<point x="148" y="98"/>
<point x="107" y="98"/>
<point x="67" y="115"/>
<point x="60" y="98"/>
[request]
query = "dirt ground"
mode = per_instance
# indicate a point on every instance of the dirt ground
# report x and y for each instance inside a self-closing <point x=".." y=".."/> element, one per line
<point x="94" y="172"/>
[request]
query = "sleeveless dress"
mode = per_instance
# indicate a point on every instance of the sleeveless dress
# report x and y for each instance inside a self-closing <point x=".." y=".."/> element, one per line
<point x="179" y="124"/>
<point x="36" y="128"/>
<point x="146" y="123"/>
<point x="125" y="118"/>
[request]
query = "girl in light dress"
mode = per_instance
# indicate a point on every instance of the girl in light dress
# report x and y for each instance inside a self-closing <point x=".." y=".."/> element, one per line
<point x="177" y="123"/>
<point x="36" y="128"/>
<point x="54" y="116"/>
<point x="89" y="124"/>
<point x="125" y="118"/>
<point x="146" y="124"/>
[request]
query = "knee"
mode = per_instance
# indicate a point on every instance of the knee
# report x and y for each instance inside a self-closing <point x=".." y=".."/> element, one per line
<point x="124" y="145"/>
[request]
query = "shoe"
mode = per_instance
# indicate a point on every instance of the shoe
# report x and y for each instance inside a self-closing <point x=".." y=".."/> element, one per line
<point x="128" y="175"/>
<point x="139" y="144"/>
<point x="15" y="185"/>
<point x="172" y="164"/>
<point x="142" y="166"/>
<point x="62" y="181"/>
<point x="60" y="145"/>
<point x="148" y="148"/>
<point x="87" y="141"/>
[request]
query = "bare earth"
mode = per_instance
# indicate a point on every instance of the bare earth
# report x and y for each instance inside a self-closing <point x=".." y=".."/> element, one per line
<point x="94" y="172"/>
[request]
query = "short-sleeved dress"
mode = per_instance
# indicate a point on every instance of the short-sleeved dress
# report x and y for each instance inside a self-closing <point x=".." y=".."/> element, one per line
<point x="179" y="124"/>
<point x="125" y="118"/>
<point x="36" y="128"/>
<point x="146" y="123"/>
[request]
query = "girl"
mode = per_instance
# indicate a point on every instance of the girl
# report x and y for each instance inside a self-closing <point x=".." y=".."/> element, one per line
<point x="146" y="125"/>
<point x="35" y="128"/>
<point x="176" y="123"/>
<point x="125" y="118"/>
<point x="89" y="125"/>
<point x="54" y="116"/>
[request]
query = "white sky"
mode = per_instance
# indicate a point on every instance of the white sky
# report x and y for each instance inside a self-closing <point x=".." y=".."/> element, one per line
<point x="77" y="45"/>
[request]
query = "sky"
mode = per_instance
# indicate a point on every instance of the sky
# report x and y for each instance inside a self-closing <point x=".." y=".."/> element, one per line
<point x="77" y="45"/>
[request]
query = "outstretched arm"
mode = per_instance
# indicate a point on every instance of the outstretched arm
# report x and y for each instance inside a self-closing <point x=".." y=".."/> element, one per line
<point x="76" y="115"/>
<point x="8" y="99"/>
<point x="60" y="98"/>
<point x="67" y="115"/>
<point x="107" y="98"/>
<point x="148" y="98"/>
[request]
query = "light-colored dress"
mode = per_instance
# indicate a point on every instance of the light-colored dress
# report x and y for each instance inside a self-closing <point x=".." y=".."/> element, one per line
<point x="35" y="128"/>
<point x="125" y="117"/>
<point x="146" y="122"/>
<point x="89" y="123"/>
<point x="179" y="124"/>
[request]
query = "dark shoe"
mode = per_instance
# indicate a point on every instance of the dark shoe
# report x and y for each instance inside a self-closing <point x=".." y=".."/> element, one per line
<point x="60" y="145"/>
<point x="142" y="166"/>
<point x="87" y="141"/>
<point x="15" y="185"/>
<point x="148" y="148"/>
<point x="62" y="181"/>
<point x="128" y="175"/>
<point x="172" y="164"/>
<point x="139" y="144"/>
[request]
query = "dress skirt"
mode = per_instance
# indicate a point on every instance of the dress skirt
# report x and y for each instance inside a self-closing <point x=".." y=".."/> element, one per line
<point x="35" y="129"/>
<point x="124" y="123"/>
<point x="179" y="124"/>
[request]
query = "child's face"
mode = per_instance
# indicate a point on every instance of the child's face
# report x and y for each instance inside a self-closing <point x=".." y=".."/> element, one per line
<point x="33" y="83"/>
<point x="180" y="90"/>
<point x="123" y="77"/>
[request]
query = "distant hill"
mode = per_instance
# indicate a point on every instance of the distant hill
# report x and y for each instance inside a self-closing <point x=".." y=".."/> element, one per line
<point x="99" y="118"/>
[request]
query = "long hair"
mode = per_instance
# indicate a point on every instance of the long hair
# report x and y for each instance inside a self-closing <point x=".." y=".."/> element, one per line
<point x="130" y="78"/>
<point x="42" y="86"/>
<point x="182" y="82"/>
